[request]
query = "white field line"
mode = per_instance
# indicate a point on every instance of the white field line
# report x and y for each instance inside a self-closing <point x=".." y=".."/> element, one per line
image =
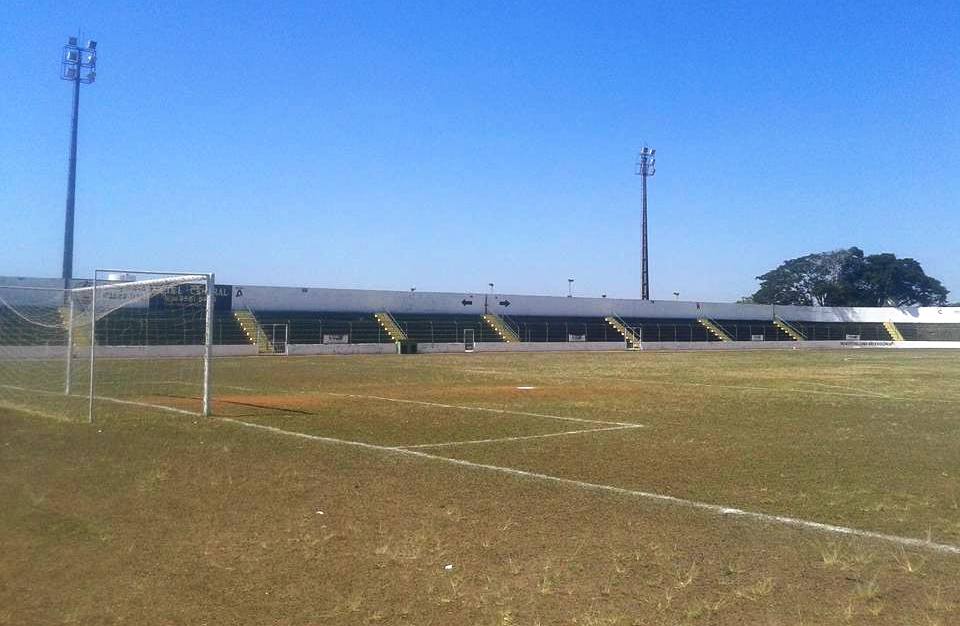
<point x="104" y="399"/>
<point x="847" y="387"/>
<point x="520" y="438"/>
<point x="911" y="542"/>
<point x="580" y="420"/>
<point x="861" y="393"/>
<point x="772" y="390"/>
<point x="198" y="385"/>
<point x="147" y="404"/>
<point x="237" y="387"/>
<point x="22" y="409"/>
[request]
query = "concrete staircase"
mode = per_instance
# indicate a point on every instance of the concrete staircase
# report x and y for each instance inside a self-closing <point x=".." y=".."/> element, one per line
<point x="718" y="332"/>
<point x="251" y="328"/>
<point x="390" y="325"/>
<point x="893" y="331"/>
<point x="500" y="327"/>
<point x="788" y="328"/>
<point x="633" y="341"/>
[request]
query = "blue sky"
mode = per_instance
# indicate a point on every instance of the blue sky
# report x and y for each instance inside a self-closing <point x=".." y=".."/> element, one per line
<point x="446" y="145"/>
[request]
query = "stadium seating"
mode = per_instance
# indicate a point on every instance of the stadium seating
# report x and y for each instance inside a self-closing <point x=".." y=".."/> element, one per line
<point x="838" y="331"/>
<point x="440" y="328"/>
<point x="310" y="327"/>
<point x="142" y="327"/>
<point x="929" y="332"/>
<point x="149" y="327"/>
<point x="746" y="330"/>
<point x="556" y="328"/>
<point x="670" y="329"/>
<point x="19" y="332"/>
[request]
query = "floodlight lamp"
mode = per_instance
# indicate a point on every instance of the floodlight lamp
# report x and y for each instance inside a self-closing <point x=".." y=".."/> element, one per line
<point x="71" y="55"/>
<point x="91" y="44"/>
<point x="71" y="41"/>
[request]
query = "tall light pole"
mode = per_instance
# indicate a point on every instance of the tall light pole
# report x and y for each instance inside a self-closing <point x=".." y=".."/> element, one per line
<point x="569" y="287"/>
<point x="78" y="65"/>
<point x="646" y="167"/>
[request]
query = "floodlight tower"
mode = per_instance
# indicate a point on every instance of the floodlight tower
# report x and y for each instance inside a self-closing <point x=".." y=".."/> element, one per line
<point x="646" y="167"/>
<point x="78" y="65"/>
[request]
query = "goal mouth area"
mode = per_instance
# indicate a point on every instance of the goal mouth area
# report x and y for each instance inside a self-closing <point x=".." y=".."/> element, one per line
<point x="120" y="338"/>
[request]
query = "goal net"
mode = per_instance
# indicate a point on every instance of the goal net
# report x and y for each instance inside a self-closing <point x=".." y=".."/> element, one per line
<point x="108" y="346"/>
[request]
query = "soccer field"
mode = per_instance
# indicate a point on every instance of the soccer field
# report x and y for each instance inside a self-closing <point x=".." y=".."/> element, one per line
<point x="792" y="487"/>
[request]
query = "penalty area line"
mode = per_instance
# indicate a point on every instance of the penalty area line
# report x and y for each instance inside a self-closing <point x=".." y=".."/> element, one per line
<point x="926" y="544"/>
<point x="104" y="399"/>
<point x="440" y="405"/>
<point x="520" y="438"/>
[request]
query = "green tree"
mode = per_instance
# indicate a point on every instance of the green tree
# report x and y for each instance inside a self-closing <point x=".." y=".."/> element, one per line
<point x="883" y="279"/>
<point x="813" y="279"/>
<point x="849" y="278"/>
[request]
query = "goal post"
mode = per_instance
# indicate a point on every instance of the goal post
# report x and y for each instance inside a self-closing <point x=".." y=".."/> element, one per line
<point x="108" y="345"/>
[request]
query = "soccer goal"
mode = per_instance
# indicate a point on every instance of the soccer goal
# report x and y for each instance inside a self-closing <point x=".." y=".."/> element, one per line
<point x="108" y="345"/>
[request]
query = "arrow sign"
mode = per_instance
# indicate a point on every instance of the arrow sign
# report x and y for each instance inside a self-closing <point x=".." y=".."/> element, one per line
<point x="504" y="303"/>
<point x="466" y="302"/>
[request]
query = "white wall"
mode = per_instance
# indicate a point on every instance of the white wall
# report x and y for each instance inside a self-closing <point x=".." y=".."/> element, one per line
<point x="370" y="301"/>
<point x="341" y="348"/>
<point x="355" y="300"/>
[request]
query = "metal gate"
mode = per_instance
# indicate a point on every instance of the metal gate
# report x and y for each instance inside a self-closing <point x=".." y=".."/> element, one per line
<point x="468" y="342"/>
<point x="272" y="339"/>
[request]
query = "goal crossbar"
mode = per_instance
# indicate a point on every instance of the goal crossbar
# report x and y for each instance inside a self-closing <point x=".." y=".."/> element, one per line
<point x="150" y="282"/>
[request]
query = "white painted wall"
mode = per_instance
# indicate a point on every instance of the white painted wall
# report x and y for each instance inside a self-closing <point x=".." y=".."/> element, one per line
<point x="355" y="300"/>
<point x="261" y="298"/>
<point x="341" y="348"/>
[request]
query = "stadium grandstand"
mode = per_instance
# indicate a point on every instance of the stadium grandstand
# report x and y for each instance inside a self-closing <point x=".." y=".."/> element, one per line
<point x="317" y="320"/>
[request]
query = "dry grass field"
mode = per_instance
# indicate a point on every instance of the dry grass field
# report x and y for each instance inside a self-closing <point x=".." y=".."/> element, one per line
<point x="791" y="488"/>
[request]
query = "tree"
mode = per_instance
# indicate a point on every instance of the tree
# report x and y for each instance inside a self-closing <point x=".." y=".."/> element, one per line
<point x="848" y="278"/>
<point x="883" y="279"/>
<point x="813" y="279"/>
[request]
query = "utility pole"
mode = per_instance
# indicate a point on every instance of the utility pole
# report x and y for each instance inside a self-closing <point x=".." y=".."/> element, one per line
<point x="78" y="65"/>
<point x="646" y="167"/>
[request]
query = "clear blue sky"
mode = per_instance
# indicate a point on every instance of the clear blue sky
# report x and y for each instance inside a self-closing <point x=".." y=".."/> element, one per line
<point x="444" y="145"/>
